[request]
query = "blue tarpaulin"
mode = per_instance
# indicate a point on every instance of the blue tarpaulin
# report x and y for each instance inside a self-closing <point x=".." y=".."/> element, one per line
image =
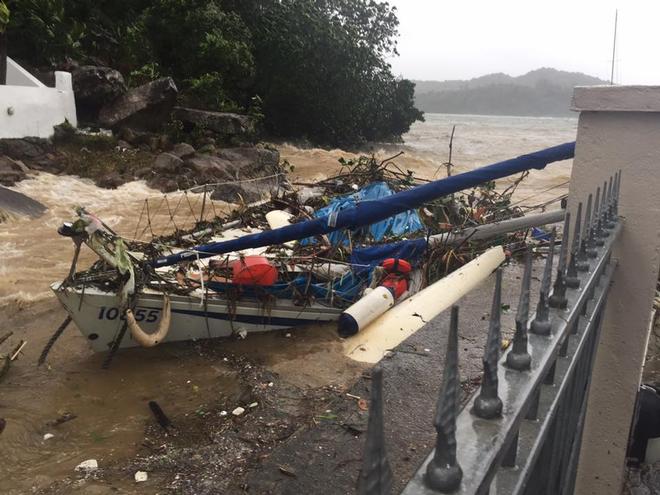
<point x="367" y="257"/>
<point x="370" y="212"/>
<point x="399" y="225"/>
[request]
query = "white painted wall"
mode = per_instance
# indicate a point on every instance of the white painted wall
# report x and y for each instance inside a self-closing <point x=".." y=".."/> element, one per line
<point x="30" y="109"/>
<point x="619" y="129"/>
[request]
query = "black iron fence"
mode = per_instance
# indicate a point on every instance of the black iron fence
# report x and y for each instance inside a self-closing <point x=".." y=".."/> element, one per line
<point x="520" y="433"/>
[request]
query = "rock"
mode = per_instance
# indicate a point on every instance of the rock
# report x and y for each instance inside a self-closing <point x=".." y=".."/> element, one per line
<point x="143" y="172"/>
<point x="123" y="145"/>
<point x="95" y="87"/>
<point x="238" y="411"/>
<point x="167" y="163"/>
<point x="21" y="149"/>
<point x="110" y="181"/>
<point x="146" y="107"/>
<point x="141" y="476"/>
<point x="88" y="466"/>
<point x="182" y="150"/>
<point x="48" y="436"/>
<point x="222" y="123"/>
<point x="10" y="172"/>
<point x="210" y="167"/>
<point x="163" y="183"/>
<point x="237" y="193"/>
<point x="252" y="161"/>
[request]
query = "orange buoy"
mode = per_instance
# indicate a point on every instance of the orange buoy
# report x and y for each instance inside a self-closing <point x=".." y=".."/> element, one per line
<point x="396" y="265"/>
<point x="253" y="270"/>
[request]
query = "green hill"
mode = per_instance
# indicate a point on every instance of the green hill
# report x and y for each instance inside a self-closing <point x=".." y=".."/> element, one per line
<point x="541" y="92"/>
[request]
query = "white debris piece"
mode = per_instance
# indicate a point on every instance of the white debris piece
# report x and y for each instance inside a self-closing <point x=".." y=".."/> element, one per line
<point x="253" y="405"/>
<point x="48" y="436"/>
<point x="141" y="476"/>
<point x="88" y="466"/>
<point x="242" y="333"/>
<point x="238" y="411"/>
<point x="223" y="413"/>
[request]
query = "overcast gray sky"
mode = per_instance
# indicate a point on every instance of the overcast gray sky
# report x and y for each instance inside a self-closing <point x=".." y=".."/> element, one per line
<point x="442" y="39"/>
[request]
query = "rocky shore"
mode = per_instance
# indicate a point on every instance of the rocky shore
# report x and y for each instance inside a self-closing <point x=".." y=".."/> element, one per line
<point x="140" y="133"/>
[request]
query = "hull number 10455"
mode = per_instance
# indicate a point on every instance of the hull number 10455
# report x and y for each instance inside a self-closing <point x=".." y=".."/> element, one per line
<point x="147" y="315"/>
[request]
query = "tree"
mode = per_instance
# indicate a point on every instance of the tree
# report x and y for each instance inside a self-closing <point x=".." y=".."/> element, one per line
<point x="4" y="21"/>
<point x="321" y="69"/>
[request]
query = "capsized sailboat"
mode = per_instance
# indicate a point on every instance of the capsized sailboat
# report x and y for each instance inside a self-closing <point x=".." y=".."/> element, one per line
<point x="264" y="279"/>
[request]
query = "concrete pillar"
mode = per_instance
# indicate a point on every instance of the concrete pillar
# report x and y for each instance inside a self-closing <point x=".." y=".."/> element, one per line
<point x="619" y="128"/>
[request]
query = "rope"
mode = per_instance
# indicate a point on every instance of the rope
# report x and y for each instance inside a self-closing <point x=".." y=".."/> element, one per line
<point x="115" y="346"/>
<point x="51" y="341"/>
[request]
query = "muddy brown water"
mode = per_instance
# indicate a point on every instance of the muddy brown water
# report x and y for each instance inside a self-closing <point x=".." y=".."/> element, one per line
<point x="111" y="406"/>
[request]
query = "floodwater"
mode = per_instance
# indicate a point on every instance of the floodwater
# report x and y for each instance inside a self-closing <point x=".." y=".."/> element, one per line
<point x="110" y="406"/>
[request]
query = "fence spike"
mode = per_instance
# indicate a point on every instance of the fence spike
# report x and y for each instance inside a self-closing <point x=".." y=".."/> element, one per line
<point x="610" y="205"/>
<point x="558" y="298"/>
<point x="541" y="324"/>
<point x="376" y="475"/>
<point x="617" y="187"/>
<point x="603" y="212"/>
<point x="594" y="237"/>
<point x="583" y="257"/>
<point x="443" y="472"/>
<point x="488" y="405"/>
<point x="518" y="357"/>
<point x="572" y="279"/>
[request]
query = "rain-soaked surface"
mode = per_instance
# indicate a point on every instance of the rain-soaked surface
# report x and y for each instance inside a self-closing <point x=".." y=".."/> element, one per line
<point x="110" y="406"/>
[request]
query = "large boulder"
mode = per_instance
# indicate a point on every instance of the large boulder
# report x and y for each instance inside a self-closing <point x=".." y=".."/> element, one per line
<point x="22" y="149"/>
<point x="146" y="107"/>
<point x="11" y="172"/>
<point x="95" y="87"/>
<point x="211" y="168"/>
<point x="221" y="123"/>
<point x="252" y="161"/>
<point x="167" y="163"/>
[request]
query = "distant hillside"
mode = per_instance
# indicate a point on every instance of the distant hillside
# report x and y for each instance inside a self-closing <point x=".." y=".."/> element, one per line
<point x="541" y="92"/>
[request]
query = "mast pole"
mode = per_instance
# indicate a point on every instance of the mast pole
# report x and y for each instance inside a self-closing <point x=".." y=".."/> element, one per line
<point x="616" y="17"/>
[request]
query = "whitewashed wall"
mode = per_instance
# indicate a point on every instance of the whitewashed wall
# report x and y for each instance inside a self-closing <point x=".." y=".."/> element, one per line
<point x="30" y="109"/>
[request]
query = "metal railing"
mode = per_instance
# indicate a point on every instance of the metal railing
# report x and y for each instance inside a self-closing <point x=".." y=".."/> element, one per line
<point x="520" y="432"/>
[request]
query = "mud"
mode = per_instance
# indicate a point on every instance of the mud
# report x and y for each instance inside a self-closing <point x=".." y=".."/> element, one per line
<point x="302" y="431"/>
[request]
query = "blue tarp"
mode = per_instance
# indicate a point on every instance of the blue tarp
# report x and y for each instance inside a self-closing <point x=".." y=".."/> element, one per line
<point x="370" y="212"/>
<point x="370" y="256"/>
<point x="348" y="287"/>
<point x="399" y="225"/>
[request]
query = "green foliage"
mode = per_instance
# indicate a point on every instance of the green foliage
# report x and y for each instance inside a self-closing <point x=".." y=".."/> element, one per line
<point x="4" y="16"/>
<point x="318" y="66"/>
<point x="208" y="92"/>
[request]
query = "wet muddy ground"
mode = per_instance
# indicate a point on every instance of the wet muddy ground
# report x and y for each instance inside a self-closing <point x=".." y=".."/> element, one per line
<point x="300" y="430"/>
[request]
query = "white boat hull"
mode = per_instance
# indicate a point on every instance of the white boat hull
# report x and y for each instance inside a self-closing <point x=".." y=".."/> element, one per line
<point x="97" y="315"/>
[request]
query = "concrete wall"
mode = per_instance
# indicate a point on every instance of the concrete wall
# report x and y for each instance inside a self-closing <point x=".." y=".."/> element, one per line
<point x="28" y="108"/>
<point x="619" y="128"/>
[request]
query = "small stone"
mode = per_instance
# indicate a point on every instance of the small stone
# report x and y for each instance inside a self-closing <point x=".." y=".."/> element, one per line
<point x="288" y="335"/>
<point x="253" y="405"/>
<point x="427" y="350"/>
<point x="88" y="466"/>
<point x="48" y="436"/>
<point x="223" y="413"/>
<point x="141" y="476"/>
<point x="270" y="384"/>
<point x="238" y="411"/>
